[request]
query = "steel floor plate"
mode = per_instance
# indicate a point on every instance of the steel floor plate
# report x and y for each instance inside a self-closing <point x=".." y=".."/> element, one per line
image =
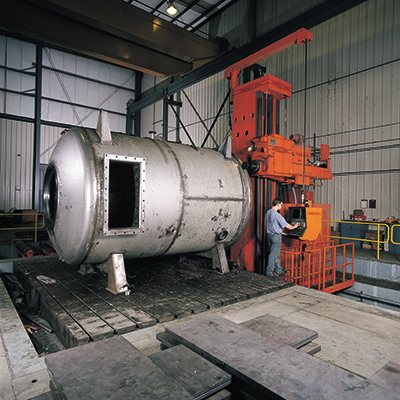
<point x="80" y="309"/>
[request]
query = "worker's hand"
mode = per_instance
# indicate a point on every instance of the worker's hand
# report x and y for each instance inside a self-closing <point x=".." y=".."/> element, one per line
<point x="294" y="226"/>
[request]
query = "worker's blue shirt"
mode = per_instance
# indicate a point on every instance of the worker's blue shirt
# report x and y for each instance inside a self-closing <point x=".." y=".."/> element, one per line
<point x="274" y="222"/>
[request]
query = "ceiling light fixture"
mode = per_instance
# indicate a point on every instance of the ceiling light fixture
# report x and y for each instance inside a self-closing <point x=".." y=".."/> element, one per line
<point x="171" y="9"/>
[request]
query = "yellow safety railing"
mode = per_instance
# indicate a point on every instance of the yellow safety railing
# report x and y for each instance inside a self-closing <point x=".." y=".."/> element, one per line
<point x="19" y="227"/>
<point x="388" y="233"/>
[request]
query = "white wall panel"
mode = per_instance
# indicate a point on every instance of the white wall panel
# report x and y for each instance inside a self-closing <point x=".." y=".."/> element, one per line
<point x="3" y="55"/>
<point x="80" y="90"/>
<point x="14" y="104"/>
<point x="49" y="137"/>
<point x="16" y="149"/>
<point x="152" y="120"/>
<point x="2" y="101"/>
<point x="20" y="56"/>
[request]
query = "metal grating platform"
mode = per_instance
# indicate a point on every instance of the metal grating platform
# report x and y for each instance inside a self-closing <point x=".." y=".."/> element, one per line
<point x="80" y="309"/>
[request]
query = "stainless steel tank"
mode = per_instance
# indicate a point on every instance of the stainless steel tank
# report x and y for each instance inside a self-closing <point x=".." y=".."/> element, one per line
<point x="140" y="197"/>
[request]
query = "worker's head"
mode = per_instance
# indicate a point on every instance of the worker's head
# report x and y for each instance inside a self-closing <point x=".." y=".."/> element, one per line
<point x="276" y="201"/>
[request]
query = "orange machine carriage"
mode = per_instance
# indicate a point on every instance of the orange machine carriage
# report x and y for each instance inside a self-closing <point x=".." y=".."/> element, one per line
<point x="275" y="162"/>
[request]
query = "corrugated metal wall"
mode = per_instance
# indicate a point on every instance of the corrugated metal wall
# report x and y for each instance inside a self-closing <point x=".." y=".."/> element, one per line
<point x="16" y="144"/>
<point x="16" y="160"/>
<point x="353" y="104"/>
<point x="353" y="97"/>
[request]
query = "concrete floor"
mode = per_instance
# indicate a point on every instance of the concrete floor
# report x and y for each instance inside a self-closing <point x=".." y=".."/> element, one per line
<point x="355" y="336"/>
<point x="22" y="373"/>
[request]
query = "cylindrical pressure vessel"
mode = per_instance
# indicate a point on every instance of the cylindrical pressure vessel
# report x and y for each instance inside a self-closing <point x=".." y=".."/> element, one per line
<point x="141" y="197"/>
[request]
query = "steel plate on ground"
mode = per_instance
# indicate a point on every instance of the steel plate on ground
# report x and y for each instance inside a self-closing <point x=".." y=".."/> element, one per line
<point x="80" y="309"/>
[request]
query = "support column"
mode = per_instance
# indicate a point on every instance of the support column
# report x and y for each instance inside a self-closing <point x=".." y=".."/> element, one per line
<point x="165" y="116"/>
<point x="36" y="131"/>
<point x="133" y="120"/>
<point x="137" y="126"/>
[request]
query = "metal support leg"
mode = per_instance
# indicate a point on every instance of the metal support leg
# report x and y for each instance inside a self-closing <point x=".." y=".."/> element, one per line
<point x="115" y="266"/>
<point x="219" y="260"/>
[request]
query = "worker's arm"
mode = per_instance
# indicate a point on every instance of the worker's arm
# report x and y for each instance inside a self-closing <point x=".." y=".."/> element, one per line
<point x="290" y="227"/>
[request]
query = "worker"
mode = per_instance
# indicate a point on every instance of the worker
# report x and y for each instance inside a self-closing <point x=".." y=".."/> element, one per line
<point x="274" y="224"/>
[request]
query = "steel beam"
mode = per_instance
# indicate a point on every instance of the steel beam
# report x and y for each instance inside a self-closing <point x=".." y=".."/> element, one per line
<point x="113" y="31"/>
<point x="135" y="25"/>
<point x="308" y="19"/>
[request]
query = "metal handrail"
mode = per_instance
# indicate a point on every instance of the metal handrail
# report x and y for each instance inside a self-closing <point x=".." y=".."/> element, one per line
<point x="318" y="266"/>
<point x="346" y="248"/>
<point x="363" y="239"/>
<point x="36" y="227"/>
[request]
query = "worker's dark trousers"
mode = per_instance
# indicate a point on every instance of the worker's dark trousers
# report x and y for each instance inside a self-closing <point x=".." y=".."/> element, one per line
<point x="274" y="243"/>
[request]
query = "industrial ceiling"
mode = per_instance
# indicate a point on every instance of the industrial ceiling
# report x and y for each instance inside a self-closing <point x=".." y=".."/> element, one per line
<point x="135" y="34"/>
<point x="191" y="14"/>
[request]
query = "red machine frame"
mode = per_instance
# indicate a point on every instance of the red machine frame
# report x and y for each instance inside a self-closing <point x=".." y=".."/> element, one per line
<point x="270" y="158"/>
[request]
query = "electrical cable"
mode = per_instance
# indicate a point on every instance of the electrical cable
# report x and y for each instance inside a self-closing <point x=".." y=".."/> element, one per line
<point x="265" y="163"/>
